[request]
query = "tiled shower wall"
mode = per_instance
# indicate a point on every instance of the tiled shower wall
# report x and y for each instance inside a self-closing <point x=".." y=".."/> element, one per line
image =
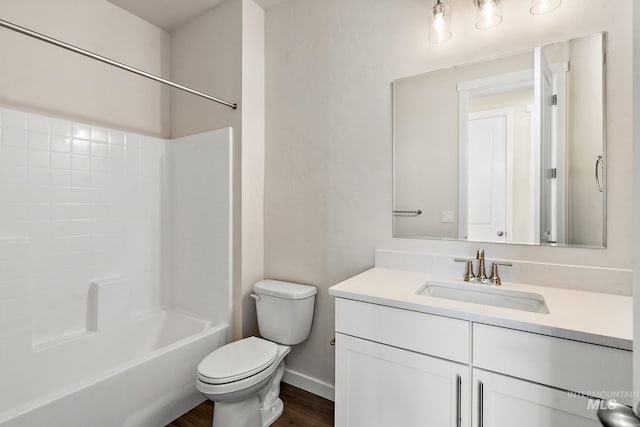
<point x="77" y="203"/>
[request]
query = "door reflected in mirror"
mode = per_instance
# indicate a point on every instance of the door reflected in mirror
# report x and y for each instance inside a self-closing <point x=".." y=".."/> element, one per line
<point x="510" y="150"/>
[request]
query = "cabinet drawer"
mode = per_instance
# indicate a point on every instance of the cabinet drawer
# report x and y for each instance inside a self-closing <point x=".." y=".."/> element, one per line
<point x="569" y="365"/>
<point x="424" y="333"/>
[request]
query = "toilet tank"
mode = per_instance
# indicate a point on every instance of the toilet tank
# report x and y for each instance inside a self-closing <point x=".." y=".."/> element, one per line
<point x="285" y="310"/>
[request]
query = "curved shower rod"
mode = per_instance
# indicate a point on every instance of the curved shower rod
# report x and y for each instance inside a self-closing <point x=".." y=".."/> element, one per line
<point x="89" y="54"/>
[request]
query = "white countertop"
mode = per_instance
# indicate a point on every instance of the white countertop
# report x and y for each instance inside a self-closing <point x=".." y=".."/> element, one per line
<point x="596" y="318"/>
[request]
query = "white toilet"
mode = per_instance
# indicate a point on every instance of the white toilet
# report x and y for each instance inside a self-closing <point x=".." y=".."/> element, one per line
<point x="243" y="377"/>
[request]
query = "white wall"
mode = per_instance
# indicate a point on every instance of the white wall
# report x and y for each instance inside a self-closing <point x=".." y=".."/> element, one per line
<point x="253" y="146"/>
<point x="40" y="77"/>
<point x="206" y="54"/>
<point x="299" y="241"/>
<point x="328" y="180"/>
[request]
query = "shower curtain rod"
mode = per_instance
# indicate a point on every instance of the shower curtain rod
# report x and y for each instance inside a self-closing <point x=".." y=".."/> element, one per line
<point x="89" y="54"/>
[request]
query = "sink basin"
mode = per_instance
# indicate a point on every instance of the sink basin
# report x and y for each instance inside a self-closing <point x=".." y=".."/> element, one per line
<point x="486" y="295"/>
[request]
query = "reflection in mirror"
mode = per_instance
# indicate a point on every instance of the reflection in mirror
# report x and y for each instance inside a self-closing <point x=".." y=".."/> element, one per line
<point x="510" y="150"/>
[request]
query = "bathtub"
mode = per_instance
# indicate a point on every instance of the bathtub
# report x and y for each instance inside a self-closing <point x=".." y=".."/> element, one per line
<point x="140" y="373"/>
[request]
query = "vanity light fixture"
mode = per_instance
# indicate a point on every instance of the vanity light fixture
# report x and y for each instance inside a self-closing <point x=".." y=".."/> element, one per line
<point x="440" y="23"/>
<point x="488" y="13"/>
<point x="538" y="7"/>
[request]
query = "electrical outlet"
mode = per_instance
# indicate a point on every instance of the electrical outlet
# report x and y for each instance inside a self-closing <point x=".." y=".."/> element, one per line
<point x="448" y="217"/>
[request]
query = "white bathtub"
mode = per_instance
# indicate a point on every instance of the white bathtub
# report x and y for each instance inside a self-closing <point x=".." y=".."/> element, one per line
<point x="141" y="373"/>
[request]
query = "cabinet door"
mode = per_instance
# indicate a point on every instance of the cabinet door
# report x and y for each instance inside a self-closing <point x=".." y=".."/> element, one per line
<point x="500" y="401"/>
<point x="379" y="385"/>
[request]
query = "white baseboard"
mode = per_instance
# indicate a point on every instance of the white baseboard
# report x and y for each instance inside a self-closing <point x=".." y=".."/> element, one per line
<point x="310" y="384"/>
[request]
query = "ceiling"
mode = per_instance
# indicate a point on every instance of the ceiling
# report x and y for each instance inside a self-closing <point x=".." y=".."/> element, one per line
<point x="170" y="14"/>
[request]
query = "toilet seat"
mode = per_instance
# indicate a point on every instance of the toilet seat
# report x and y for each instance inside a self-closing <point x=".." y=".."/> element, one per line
<point x="237" y="361"/>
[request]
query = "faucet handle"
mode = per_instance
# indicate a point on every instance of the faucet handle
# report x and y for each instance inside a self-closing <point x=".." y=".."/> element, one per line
<point x="468" y="273"/>
<point x="495" y="278"/>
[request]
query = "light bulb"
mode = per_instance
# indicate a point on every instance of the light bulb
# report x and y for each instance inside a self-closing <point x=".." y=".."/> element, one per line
<point x="488" y="13"/>
<point x="543" y="6"/>
<point x="440" y="23"/>
<point x="538" y="7"/>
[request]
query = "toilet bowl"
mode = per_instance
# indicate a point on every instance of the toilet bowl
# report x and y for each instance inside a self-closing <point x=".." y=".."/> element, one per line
<point x="239" y="378"/>
<point x="243" y="378"/>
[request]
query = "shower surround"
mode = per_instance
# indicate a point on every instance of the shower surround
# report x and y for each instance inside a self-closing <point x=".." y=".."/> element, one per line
<point x="114" y="261"/>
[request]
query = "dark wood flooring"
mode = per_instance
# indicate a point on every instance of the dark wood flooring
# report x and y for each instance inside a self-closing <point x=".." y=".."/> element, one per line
<point x="301" y="409"/>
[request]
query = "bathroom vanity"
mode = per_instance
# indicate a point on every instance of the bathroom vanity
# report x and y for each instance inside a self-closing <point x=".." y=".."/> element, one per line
<point x="406" y="356"/>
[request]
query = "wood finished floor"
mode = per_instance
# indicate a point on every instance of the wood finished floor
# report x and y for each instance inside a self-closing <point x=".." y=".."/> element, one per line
<point x="301" y="409"/>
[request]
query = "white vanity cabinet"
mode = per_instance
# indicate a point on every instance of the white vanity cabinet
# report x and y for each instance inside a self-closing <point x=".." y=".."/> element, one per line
<point x="408" y="368"/>
<point x="379" y="385"/>
<point x="400" y="368"/>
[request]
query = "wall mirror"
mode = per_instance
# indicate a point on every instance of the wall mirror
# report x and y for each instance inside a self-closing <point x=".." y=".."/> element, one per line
<point x="510" y="150"/>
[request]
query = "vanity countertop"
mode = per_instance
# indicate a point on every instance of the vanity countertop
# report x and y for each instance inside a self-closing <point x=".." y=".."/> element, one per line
<point x="591" y="317"/>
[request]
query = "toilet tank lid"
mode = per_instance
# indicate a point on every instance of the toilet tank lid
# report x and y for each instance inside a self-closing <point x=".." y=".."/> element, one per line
<point x="287" y="290"/>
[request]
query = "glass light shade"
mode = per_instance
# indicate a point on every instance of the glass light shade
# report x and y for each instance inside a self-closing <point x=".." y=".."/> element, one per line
<point x="488" y="13"/>
<point x="440" y="23"/>
<point x="538" y="7"/>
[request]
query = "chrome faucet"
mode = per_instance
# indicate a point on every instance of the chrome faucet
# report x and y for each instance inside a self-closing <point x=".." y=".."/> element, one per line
<point x="481" y="276"/>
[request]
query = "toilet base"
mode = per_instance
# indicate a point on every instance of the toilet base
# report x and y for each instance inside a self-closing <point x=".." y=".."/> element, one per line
<point x="245" y="413"/>
<point x="271" y="414"/>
